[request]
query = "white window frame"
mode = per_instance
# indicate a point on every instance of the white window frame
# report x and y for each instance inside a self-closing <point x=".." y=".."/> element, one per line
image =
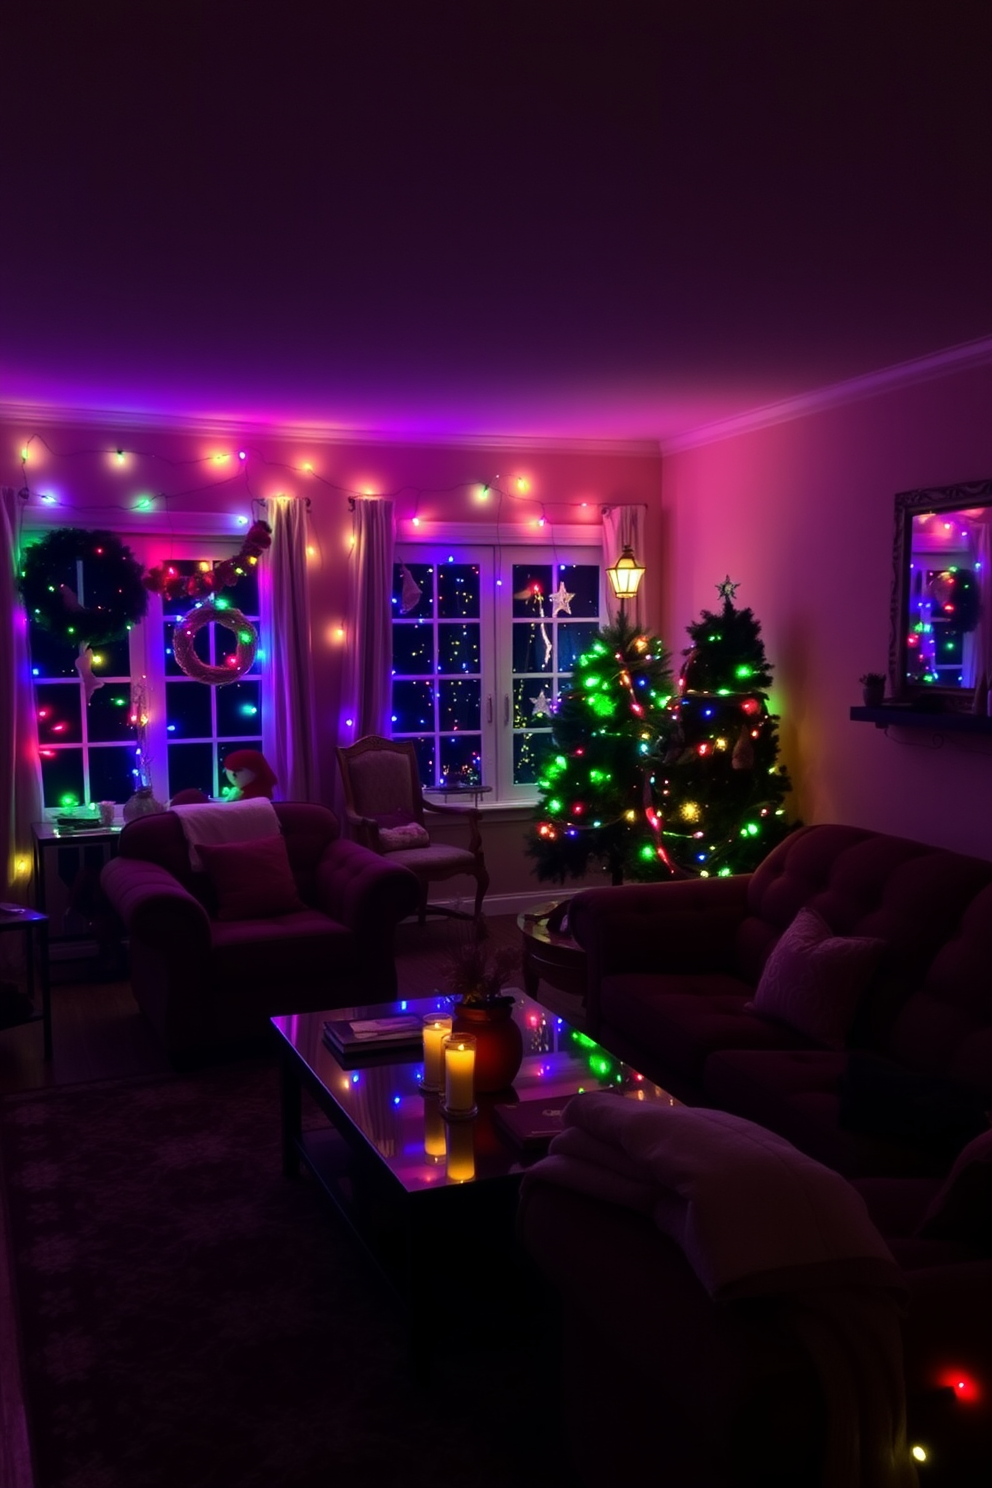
<point x="202" y="534"/>
<point x="495" y="551"/>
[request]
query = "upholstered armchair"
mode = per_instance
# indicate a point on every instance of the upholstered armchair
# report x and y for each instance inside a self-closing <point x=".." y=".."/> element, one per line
<point x="286" y="925"/>
<point x="386" y="812"/>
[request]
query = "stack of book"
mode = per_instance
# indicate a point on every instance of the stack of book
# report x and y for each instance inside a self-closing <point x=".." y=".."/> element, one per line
<point x="370" y="1038"/>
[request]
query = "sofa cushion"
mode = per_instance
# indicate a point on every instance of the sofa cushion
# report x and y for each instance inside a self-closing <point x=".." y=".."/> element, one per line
<point x="681" y="1019"/>
<point x="252" y="880"/>
<point x="813" y="979"/>
<point x="933" y="1111"/>
<point x="796" y="1093"/>
<point x="295" y="948"/>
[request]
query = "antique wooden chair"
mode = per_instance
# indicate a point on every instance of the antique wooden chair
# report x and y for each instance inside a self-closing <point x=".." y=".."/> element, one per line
<point x="386" y="811"/>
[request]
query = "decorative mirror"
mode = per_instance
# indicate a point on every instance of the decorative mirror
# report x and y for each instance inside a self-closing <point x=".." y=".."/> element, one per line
<point x="940" y="645"/>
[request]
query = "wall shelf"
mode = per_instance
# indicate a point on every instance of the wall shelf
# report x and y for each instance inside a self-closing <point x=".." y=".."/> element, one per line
<point x="891" y="716"/>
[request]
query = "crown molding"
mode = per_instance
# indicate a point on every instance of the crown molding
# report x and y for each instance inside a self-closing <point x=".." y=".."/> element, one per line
<point x="852" y="390"/>
<point x="48" y="415"/>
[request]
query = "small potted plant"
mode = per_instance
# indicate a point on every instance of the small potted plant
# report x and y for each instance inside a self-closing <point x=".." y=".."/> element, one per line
<point x="873" y="689"/>
<point x="476" y="974"/>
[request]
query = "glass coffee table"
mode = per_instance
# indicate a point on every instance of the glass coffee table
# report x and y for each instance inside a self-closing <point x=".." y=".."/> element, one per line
<point x="422" y="1195"/>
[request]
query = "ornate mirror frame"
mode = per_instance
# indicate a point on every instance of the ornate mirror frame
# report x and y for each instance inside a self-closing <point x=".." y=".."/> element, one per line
<point x="962" y="511"/>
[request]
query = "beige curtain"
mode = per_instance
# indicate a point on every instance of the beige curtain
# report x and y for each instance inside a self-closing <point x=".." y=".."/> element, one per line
<point x="625" y="526"/>
<point x="289" y="738"/>
<point x="20" y="767"/>
<point x="368" y="679"/>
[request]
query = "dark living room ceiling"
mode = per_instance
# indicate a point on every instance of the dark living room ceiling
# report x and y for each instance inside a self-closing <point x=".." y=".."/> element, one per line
<point x="599" y="220"/>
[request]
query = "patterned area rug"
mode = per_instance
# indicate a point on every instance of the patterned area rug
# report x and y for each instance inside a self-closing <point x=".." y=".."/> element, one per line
<point x="189" y="1316"/>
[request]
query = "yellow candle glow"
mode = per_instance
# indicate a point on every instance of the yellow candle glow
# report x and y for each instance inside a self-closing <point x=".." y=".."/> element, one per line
<point x="434" y="1127"/>
<point x="460" y="1167"/>
<point x="459" y="1073"/>
<point x="436" y="1028"/>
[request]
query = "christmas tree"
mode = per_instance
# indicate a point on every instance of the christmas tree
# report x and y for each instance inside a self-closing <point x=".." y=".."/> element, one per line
<point x="720" y="788"/>
<point x="609" y="733"/>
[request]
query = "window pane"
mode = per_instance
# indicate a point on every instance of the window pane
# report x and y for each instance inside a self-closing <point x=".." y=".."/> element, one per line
<point x="426" y="758"/>
<point x="187" y="710"/>
<point x="461" y="759"/>
<point x="458" y="648"/>
<point x="531" y="586"/>
<point x="191" y="765"/>
<point x="51" y="657"/>
<point x="112" y="774"/>
<point x="62" y="777"/>
<point x="574" y="641"/>
<point x="244" y="594"/>
<point x="413" y="707"/>
<point x="107" y="716"/>
<point x="457" y="591"/>
<point x="238" y="708"/>
<point x="532" y="701"/>
<point x="113" y="659"/>
<point x="59" y="713"/>
<point x="529" y="751"/>
<point x="532" y="647"/>
<point x="581" y="580"/>
<point x="413" y="590"/>
<point x="460" y="705"/>
<point x="413" y="650"/>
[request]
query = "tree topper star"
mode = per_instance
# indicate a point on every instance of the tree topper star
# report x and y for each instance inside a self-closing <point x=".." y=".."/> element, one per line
<point x="728" y="589"/>
<point x="561" y="600"/>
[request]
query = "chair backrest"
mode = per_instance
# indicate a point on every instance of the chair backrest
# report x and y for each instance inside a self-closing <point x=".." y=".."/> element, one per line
<point x="381" y="778"/>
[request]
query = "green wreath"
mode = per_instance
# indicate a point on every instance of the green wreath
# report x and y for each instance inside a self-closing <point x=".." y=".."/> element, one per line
<point x="116" y="598"/>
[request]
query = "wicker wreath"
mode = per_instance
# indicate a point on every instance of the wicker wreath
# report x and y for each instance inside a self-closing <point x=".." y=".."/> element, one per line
<point x="116" y="598"/>
<point x="184" y="636"/>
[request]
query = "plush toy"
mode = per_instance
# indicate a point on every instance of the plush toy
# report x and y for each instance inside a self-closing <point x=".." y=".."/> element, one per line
<point x="249" y="774"/>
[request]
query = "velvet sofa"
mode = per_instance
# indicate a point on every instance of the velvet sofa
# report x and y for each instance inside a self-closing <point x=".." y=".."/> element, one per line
<point x="207" y="974"/>
<point x="724" y="1394"/>
<point x="674" y="970"/>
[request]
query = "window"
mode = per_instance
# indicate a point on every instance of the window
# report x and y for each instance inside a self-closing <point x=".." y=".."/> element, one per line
<point x="89" y="749"/>
<point x="484" y="640"/>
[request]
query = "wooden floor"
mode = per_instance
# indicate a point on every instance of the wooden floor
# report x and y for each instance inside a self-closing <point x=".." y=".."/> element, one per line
<point x="98" y="1032"/>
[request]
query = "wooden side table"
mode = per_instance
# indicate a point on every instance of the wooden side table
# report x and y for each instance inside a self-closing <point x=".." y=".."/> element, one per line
<point x="549" y="952"/>
<point x="34" y="927"/>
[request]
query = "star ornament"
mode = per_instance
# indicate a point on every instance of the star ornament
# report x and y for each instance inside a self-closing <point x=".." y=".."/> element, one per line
<point x="728" y="588"/>
<point x="541" y="705"/>
<point x="561" y="600"/>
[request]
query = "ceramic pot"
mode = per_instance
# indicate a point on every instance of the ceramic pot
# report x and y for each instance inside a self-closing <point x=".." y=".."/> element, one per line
<point x="142" y="803"/>
<point x="500" y="1045"/>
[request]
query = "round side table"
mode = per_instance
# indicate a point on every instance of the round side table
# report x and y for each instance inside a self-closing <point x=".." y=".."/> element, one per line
<point x="34" y="927"/>
<point x="549" y="952"/>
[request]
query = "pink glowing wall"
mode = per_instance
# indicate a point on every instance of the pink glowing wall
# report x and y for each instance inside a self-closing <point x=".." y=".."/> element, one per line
<point x="801" y="514"/>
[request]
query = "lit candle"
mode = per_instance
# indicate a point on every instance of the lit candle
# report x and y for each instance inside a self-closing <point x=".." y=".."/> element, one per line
<point x="434" y="1128"/>
<point x="459" y="1074"/>
<point x="436" y="1028"/>
<point x="460" y="1167"/>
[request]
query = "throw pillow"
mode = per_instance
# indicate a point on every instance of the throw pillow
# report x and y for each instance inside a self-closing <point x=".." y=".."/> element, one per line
<point x="252" y="880"/>
<point x="931" y="1111"/>
<point x="813" y="979"/>
<point x="962" y="1207"/>
<point x="411" y="834"/>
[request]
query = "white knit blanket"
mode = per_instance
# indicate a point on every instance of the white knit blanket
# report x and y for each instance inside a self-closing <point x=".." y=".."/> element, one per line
<point x="757" y="1218"/>
<point x="226" y="821"/>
